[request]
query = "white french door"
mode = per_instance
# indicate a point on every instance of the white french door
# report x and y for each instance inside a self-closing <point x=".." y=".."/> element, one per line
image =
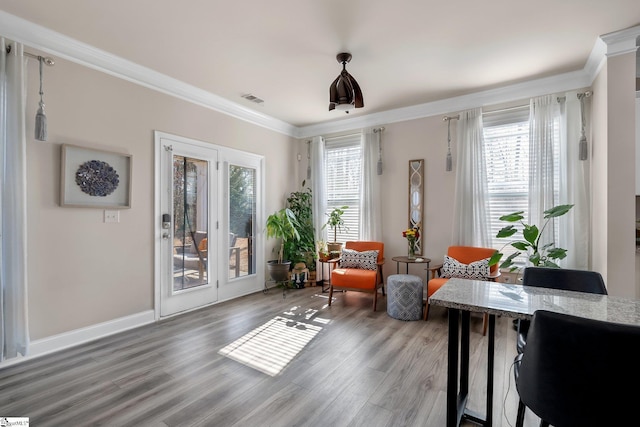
<point x="186" y="224"/>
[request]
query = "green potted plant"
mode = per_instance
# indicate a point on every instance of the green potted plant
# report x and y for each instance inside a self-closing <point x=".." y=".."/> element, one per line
<point x="303" y="249"/>
<point x="323" y="252"/>
<point x="336" y="223"/>
<point x="281" y="225"/>
<point x="542" y="256"/>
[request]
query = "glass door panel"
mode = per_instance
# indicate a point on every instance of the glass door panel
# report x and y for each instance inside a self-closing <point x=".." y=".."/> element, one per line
<point x="242" y="215"/>
<point x="191" y="222"/>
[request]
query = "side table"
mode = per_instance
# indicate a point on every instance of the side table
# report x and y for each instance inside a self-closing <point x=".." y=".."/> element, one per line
<point x="332" y="264"/>
<point x="407" y="261"/>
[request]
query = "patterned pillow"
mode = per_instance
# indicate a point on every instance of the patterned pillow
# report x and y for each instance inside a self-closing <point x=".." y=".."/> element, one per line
<point x="454" y="268"/>
<point x="366" y="260"/>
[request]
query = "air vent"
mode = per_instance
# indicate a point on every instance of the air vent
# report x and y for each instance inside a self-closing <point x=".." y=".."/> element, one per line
<point x="253" y="98"/>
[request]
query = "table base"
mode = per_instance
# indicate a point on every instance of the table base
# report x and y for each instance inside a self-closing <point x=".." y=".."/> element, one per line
<point x="458" y="382"/>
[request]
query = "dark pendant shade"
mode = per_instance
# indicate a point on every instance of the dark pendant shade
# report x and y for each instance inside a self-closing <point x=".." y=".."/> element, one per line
<point x="344" y="92"/>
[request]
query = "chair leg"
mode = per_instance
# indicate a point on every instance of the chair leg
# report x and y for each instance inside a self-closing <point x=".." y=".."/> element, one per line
<point x="330" y="294"/>
<point x="375" y="299"/>
<point x="426" y="310"/>
<point x="520" y="418"/>
<point x="485" y="321"/>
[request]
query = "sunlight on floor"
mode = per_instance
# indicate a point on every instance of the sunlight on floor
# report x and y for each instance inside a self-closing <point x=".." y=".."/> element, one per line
<point x="270" y="347"/>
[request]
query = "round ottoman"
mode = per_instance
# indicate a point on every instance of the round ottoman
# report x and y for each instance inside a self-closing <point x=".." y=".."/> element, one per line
<point x="404" y="297"/>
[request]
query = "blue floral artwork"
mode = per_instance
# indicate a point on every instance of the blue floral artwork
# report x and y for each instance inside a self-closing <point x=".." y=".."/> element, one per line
<point x="97" y="178"/>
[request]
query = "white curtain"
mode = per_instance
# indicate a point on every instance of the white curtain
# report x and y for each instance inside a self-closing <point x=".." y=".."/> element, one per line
<point x="14" y="333"/>
<point x="371" y="206"/>
<point x="318" y="193"/>
<point x="544" y="132"/>
<point x="574" y="185"/>
<point x="471" y="208"/>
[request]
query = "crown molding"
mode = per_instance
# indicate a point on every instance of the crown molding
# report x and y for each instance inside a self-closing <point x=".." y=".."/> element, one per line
<point x="514" y="92"/>
<point x="621" y="42"/>
<point x="54" y="43"/>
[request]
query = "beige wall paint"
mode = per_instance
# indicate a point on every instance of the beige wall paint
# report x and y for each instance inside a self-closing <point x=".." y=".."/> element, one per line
<point x="613" y="221"/>
<point x="621" y="175"/>
<point x="599" y="193"/>
<point x="82" y="271"/>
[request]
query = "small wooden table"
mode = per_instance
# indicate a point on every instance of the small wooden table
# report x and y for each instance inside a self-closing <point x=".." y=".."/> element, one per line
<point x="407" y="260"/>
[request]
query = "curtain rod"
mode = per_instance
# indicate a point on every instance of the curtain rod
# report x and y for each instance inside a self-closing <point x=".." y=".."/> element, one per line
<point x="448" y="118"/>
<point x="47" y="59"/>
<point x="380" y="129"/>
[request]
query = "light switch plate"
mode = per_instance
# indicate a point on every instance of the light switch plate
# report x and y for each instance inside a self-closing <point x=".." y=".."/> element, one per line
<point x="111" y="216"/>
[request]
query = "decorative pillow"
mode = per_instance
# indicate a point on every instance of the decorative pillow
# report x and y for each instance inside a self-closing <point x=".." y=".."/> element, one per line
<point x="366" y="260"/>
<point x="454" y="268"/>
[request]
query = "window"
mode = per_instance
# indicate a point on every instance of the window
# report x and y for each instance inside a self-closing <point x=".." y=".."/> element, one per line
<point x="343" y="164"/>
<point x="242" y="216"/>
<point x="506" y="139"/>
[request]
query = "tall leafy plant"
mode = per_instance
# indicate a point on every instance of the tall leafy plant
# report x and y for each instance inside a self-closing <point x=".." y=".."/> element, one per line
<point x="300" y="203"/>
<point x="335" y="221"/>
<point x="282" y="225"/>
<point x="540" y="256"/>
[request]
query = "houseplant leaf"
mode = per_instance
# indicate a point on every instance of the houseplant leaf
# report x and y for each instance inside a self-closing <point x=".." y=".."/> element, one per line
<point x="513" y="217"/>
<point x="507" y="231"/>
<point x="557" y="253"/>
<point x="530" y="234"/>
<point x="557" y="211"/>
<point x="521" y="245"/>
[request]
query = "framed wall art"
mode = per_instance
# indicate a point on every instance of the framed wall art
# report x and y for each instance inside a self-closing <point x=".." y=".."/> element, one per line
<point x="416" y="198"/>
<point x="94" y="178"/>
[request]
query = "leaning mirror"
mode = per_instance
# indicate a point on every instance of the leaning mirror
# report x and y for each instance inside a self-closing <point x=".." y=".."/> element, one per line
<point x="416" y="196"/>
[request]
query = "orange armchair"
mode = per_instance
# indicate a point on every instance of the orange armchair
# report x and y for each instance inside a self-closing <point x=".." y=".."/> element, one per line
<point x="352" y="277"/>
<point x="465" y="255"/>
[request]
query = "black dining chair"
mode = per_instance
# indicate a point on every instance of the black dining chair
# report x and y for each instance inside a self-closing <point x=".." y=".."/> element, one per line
<point x="555" y="278"/>
<point x="579" y="372"/>
<point x="558" y="278"/>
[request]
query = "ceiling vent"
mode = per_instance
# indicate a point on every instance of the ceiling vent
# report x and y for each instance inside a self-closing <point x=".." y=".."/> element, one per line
<point x="252" y="98"/>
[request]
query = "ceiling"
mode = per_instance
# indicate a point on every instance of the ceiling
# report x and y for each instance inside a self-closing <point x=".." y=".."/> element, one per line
<point x="405" y="52"/>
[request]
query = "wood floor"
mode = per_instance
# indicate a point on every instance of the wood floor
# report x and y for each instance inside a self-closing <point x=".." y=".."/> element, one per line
<point x="262" y="360"/>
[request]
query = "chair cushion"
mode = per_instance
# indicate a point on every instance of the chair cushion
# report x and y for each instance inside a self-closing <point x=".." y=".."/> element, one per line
<point x="354" y="278"/>
<point x="435" y="284"/>
<point x="475" y="270"/>
<point x="366" y="260"/>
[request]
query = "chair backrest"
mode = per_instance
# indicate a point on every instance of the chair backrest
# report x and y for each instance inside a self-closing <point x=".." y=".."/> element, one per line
<point x="579" y="372"/>
<point x="565" y="279"/>
<point x="367" y="246"/>
<point x="469" y="254"/>
<point x="197" y="239"/>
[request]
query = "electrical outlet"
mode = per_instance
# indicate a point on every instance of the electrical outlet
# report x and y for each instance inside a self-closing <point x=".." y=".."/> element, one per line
<point x="111" y="216"/>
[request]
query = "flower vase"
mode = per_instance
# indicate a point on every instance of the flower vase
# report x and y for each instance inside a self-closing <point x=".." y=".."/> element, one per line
<point x="412" y="251"/>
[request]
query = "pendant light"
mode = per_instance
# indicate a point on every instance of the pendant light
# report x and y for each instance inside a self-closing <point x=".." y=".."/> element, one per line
<point x="344" y="92"/>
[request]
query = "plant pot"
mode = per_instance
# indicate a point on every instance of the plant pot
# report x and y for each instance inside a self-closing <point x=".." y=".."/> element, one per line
<point x="279" y="272"/>
<point x="334" y="247"/>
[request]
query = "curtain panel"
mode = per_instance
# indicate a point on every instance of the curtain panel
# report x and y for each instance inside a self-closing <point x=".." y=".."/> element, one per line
<point x="319" y="198"/>
<point x="471" y="210"/>
<point x="574" y="188"/>
<point x="14" y="335"/>
<point x="371" y="208"/>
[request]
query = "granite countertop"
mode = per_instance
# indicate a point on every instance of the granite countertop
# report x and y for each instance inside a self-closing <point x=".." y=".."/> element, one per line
<point x="519" y="301"/>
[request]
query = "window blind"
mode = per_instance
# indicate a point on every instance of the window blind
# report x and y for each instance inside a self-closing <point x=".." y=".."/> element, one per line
<point x="343" y="165"/>
<point x="506" y="141"/>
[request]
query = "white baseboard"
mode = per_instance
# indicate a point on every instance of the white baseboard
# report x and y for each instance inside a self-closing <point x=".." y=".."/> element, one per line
<point x="76" y="337"/>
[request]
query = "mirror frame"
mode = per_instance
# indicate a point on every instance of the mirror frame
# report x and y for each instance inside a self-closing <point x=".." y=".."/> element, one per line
<point x="416" y="207"/>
